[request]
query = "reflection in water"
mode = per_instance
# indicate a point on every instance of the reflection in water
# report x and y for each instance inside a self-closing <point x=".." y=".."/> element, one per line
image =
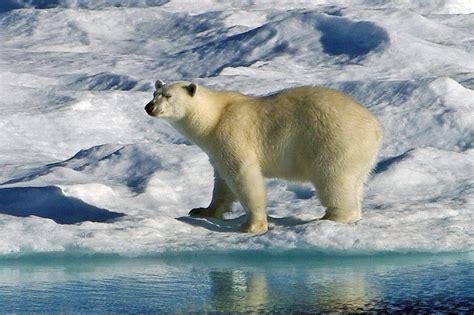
<point x="307" y="290"/>
<point x="228" y="283"/>
<point x="238" y="291"/>
<point x="349" y="291"/>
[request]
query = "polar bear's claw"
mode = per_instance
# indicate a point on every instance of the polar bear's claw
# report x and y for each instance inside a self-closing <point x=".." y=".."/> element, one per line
<point x="205" y="212"/>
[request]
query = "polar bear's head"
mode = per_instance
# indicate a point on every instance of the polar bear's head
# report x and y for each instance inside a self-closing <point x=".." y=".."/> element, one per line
<point x="171" y="101"/>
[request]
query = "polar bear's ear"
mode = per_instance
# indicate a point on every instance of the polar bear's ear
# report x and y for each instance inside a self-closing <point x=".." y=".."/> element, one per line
<point x="192" y="88"/>
<point x="159" y="84"/>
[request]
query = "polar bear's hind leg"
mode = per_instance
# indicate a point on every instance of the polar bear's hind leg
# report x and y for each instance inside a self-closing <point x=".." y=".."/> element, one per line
<point x="341" y="197"/>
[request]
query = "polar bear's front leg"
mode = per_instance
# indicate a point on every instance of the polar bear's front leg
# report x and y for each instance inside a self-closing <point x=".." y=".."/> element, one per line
<point x="248" y="185"/>
<point x="222" y="199"/>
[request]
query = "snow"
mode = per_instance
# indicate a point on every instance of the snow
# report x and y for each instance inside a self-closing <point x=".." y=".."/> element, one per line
<point x="83" y="168"/>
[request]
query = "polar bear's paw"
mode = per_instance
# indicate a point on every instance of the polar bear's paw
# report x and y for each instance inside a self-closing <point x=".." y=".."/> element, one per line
<point x="342" y="217"/>
<point x="258" y="227"/>
<point x="205" y="212"/>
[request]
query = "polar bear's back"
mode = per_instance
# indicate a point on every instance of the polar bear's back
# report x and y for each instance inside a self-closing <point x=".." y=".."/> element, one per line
<point x="319" y="101"/>
<point x="309" y="112"/>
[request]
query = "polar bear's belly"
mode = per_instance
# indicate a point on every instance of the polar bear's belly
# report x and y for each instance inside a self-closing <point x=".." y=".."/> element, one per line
<point x="291" y="164"/>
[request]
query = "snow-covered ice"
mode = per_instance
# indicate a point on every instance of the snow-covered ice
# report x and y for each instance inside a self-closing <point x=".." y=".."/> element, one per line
<point x="83" y="168"/>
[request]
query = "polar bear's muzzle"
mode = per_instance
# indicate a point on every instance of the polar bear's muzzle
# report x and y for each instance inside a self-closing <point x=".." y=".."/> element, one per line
<point x="150" y="108"/>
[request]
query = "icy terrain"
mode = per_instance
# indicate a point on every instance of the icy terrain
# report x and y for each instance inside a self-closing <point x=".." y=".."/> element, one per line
<point x="83" y="168"/>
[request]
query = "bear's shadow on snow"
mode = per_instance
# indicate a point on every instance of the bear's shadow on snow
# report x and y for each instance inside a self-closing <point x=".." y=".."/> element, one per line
<point x="50" y="202"/>
<point x="233" y="225"/>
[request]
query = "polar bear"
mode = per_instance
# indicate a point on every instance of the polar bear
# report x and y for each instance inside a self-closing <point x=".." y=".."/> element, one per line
<point x="304" y="134"/>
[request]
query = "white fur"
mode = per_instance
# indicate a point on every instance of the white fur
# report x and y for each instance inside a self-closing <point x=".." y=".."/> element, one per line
<point x="306" y="134"/>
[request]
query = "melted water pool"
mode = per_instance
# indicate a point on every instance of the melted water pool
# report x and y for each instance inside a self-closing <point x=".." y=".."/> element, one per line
<point x="237" y="282"/>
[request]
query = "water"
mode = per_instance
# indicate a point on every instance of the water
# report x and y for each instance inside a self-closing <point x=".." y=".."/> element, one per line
<point x="237" y="282"/>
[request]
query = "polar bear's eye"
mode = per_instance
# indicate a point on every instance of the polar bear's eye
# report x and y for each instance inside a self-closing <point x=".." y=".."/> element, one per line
<point x="167" y="95"/>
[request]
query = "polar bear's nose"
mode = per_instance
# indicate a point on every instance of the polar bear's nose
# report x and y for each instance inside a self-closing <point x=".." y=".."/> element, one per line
<point x="149" y="108"/>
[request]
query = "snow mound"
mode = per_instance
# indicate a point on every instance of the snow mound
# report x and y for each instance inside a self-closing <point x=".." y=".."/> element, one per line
<point x="427" y="174"/>
<point x="295" y="34"/>
<point x="415" y="113"/>
<point x="104" y="81"/>
<point x="129" y="165"/>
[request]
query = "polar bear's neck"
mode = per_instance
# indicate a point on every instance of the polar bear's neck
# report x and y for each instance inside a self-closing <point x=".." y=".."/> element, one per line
<point x="205" y="113"/>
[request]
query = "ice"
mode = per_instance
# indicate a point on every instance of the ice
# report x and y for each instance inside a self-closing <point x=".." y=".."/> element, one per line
<point x="83" y="168"/>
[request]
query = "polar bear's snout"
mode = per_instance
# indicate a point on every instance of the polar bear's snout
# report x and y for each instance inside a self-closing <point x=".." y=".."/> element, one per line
<point x="150" y="107"/>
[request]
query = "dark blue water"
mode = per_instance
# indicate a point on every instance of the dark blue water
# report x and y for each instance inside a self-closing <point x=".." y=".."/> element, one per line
<point x="237" y="282"/>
